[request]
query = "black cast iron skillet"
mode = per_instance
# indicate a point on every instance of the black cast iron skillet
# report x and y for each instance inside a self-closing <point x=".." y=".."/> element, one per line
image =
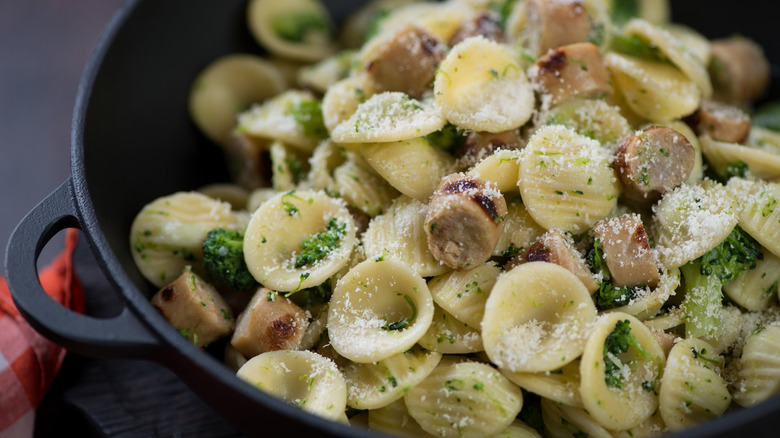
<point x="132" y="141"/>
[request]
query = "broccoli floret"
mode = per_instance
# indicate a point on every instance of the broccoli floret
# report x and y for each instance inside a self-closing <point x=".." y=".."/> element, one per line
<point x="449" y="138"/>
<point x="223" y="260"/>
<point x="608" y="296"/>
<point x="317" y="246"/>
<point x="312" y="296"/>
<point x="705" y="276"/>
<point x="294" y="27"/>
<point x="308" y="115"/>
<point x="617" y="342"/>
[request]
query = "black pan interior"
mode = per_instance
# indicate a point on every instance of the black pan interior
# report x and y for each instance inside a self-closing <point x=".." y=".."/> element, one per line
<point x="133" y="140"/>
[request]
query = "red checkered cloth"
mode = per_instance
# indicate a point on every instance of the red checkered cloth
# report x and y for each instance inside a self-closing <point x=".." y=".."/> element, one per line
<point x="28" y="361"/>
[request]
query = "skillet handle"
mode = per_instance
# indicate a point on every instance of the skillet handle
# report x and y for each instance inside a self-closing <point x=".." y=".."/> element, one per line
<point x="121" y="336"/>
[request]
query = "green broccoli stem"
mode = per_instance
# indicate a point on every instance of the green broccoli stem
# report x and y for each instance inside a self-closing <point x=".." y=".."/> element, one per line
<point x="703" y="301"/>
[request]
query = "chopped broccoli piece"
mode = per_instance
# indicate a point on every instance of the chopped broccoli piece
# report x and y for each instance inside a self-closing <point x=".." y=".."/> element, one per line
<point x="449" y="138"/>
<point x="294" y="27"/>
<point x="308" y="115"/>
<point x="636" y="47"/>
<point x="312" y="296"/>
<point x="617" y="342"/>
<point x="317" y="246"/>
<point x="375" y="23"/>
<point x="704" y="278"/>
<point x="736" y="169"/>
<point x="624" y="10"/>
<point x="608" y="296"/>
<point x="223" y="260"/>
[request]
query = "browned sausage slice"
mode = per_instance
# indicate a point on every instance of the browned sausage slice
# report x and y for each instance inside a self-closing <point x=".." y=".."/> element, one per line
<point x="270" y="322"/>
<point x="721" y="121"/>
<point x="486" y="24"/>
<point x="464" y="221"/>
<point x="407" y="62"/>
<point x="627" y="251"/>
<point x="653" y="161"/>
<point x="555" y="23"/>
<point x="249" y="161"/>
<point x="739" y="69"/>
<point x="555" y="247"/>
<point x="571" y="70"/>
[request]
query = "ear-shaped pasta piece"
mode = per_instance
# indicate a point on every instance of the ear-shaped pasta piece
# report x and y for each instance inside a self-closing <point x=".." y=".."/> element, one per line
<point x="481" y="86"/>
<point x="389" y="116"/>
<point x="288" y="167"/>
<point x="691" y="220"/>
<point x="500" y="167"/>
<point x="327" y="156"/>
<point x="536" y="318"/>
<point x="394" y="419"/>
<point x="228" y="84"/>
<point x="566" y="180"/>
<point x="232" y="193"/>
<point x="653" y="426"/>
<point x="448" y="335"/>
<point x="758" y="210"/>
<point x="464" y="399"/>
<point x="561" y="385"/>
<point x="363" y="189"/>
<point x="298" y="239"/>
<point x="757" y="288"/>
<point x="759" y="367"/>
<point x="360" y="24"/>
<point x="168" y="234"/>
<point x="380" y="308"/>
<point x="690" y="39"/>
<point x="561" y="421"/>
<point x="464" y="293"/>
<point x="320" y="76"/>
<point x="342" y="99"/>
<point x="760" y="162"/>
<point x="375" y="385"/>
<point x="593" y="118"/>
<point x="763" y="138"/>
<point x="697" y="173"/>
<point x="293" y="29"/>
<point x="413" y="167"/>
<point x="673" y="49"/>
<point x="303" y="378"/>
<point x="520" y="230"/>
<point x="440" y="19"/>
<point x="648" y="302"/>
<point x="618" y="385"/>
<point x="286" y="117"/>
<point x="518" y="429"/>
<point x="654" y="90"/>
<point x="399" y="234"/>
<point x="692" y="392"/>
<point x="316" y="329"/>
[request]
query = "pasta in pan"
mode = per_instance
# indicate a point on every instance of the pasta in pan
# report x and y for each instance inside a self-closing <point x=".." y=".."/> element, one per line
<point x="482" y="218"/>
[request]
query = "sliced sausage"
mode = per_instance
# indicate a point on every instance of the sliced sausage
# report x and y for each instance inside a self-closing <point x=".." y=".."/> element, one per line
<point x="195" y="308"/>
<point x="739" y="69"/>
<point x="720" y="121"/>
<point x="479" y="145"/>
<point x="270" y="322"/>
<point x="486" y="24"/>
<point x="653" y="161"/>
<point x="555" y="247"/>
<point x="248" y="161"/>
<point x="627" y="251"/>
<point x="464" y="221"/>
<point x="571" y="70"/>
<point x="407" y="62"/>
<point x="555" y="23"/>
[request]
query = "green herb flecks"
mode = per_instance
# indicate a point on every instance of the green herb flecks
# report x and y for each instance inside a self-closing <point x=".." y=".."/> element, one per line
<point x="308" y="115"/>
<point x="405" y="322"/>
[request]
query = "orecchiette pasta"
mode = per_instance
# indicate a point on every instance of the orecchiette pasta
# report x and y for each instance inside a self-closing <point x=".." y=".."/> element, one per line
<point x="380" y="308"/>
<point x="482" y="218"/>
<point x="536" y="318"/>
